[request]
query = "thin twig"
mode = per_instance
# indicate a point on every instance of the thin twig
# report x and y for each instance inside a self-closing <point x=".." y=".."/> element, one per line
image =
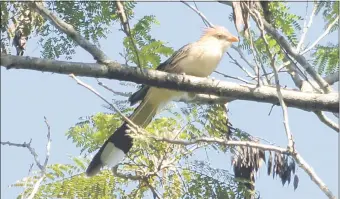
<point x="48" y="145"/>
<point x="114" y="92"/>
<point x="205" y="20"/>
<point x="126" y="119"/>
<point x="243" y="57"/>
<point x="255" y="54"/>
<point x="306" y="26"/>
<point x="23" y="196"/>
<point x="271" y="108"/>
<point x="206" y="23"/>
<point x="241" y="67"/>
<point x="314" y="177"/>
<point x="279" y="69"/>
<point x="125" y="176"/>
<point x="36" y="186"/>
<point x="223" y="142"/>
<point x="259" y="23"/>
<point x="28" y="146"/>
<point x="35" y="155"/>
<point x="232" y="77"/>
<point x="295" y="73"/>
<point x="321" y="36"/>
<point x="126" y="28"/>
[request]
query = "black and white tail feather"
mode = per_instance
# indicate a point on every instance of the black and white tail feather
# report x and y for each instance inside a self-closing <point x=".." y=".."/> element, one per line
<point x="119" y="143"/>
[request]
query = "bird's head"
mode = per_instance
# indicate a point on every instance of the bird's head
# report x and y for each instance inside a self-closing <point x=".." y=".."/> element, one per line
<point x="220" y="36"/>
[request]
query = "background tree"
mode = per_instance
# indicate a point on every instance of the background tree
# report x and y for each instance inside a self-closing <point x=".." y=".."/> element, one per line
<point x="173" y="159"/>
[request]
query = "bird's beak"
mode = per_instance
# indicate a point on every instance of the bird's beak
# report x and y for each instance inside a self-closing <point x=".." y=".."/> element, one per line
<point x="232" y="38"/>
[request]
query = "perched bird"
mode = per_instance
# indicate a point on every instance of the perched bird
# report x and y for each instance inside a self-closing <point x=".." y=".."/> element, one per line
<point x="199" y="59"/>
<point x="19" y="42"/>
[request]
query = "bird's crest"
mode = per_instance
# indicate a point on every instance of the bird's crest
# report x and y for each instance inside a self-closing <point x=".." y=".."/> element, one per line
<point x="211" y="31"/>
<point x="219" y="32"/>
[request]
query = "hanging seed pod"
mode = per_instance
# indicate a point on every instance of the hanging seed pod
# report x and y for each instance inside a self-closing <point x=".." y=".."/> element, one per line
<point x="270" y="163"/>
<point x="296" y="182"/>
<point x="289" y="175"/>
<point x="275" y="165"/>
<point x="262" y="155"/>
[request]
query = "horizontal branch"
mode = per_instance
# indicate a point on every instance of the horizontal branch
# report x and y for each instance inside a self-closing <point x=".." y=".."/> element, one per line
<point x="295" y="155"/>
<point x="114" y="70"/>
<point x="32" y="151"/>
<point x="222" y="142"/>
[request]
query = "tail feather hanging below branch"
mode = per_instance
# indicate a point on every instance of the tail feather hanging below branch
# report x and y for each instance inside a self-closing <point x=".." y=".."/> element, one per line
<point x="119" y="143"/>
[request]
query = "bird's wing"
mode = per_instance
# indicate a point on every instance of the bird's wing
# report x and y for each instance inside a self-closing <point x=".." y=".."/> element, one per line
<point x="170" y="66"/>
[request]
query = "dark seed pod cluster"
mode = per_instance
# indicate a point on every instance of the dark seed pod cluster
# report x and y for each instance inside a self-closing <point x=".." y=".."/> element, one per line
<point x="283" y="166"/>
<point x="247" y="161"/>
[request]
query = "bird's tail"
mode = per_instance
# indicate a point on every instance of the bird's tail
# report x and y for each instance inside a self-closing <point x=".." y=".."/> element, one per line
<point x="119" y="143"/>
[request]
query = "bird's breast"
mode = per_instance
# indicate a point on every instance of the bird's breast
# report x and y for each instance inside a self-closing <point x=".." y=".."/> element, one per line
<point x="202" y="62"/>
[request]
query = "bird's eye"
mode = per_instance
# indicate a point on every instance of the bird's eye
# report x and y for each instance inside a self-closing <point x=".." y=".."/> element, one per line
<point x="219" y="36"/>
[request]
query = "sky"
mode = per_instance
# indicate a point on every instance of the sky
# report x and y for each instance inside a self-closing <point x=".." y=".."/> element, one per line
<point x="28" y="96"/>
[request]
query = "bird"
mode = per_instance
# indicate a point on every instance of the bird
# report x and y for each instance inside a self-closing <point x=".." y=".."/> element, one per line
<point x="19" y="42"/>
<point x="199" y="58"/>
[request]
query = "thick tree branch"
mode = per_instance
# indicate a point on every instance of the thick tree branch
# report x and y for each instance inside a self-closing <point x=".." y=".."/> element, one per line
<point x="306" y="101"/>
<point x="71" y="32"/>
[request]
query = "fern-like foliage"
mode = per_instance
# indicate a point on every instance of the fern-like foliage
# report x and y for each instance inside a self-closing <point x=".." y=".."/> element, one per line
<point x="326" y="58"/>
<point x="329" y="10"/>
<point x="286" y="22"/>
<point x="150" y="50"/>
